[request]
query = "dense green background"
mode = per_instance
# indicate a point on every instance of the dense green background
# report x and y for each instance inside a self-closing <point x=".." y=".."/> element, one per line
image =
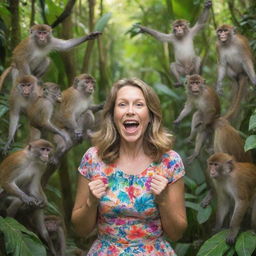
<point x="121" y="53"/>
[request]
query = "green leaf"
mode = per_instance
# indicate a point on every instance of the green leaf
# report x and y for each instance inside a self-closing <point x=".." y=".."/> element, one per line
<point x="214" y="246"/>
<point x="204" y="214"/>
<point x="246" y="243"/>
<point x="201" y="188"/>
<point x="192" y="205"/>
<point x="252" y="122"/>
<point x="190" y="196"/>
<point x="182" y="248"/>
<point x="164" y="89"/>
<point x="3" y="110"/>
<point x="191" y="184"/>
<point x="102" y="22"/>
<point x="19" y="240"/>
<point x="250" y="143"/>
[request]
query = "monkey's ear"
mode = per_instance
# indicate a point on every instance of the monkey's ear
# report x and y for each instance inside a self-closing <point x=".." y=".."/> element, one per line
<point x="76" y="80"/>
<point x="230" y="164"/>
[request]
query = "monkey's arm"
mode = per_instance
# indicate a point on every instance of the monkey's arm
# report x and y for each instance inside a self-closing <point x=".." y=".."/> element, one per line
<point x="221" y="74"/>
<point x="185" y="111"/>
<point x="172" y="210"/>
<point x="249" y="69"/>
<point x="82" y="210"/>
<point x="13" y="124"/>
<point x="63" y="45"/>
<point x="202" y="18"/>
<point x="12" y="189"/>
<point x="156" y="34"/>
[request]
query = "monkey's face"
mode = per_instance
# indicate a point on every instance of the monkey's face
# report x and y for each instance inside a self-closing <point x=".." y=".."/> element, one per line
<point x="87" y="86"/>
<point x="45" y="154"/>
<point x="131" y="114"/>
<point x="195" y="87"/>
<point x="224" y="34"/>
<point x="42" y="37"/>
<point x="214" y="169"/>
<point x="180" y="29"/>
<point x="26" y="89"/>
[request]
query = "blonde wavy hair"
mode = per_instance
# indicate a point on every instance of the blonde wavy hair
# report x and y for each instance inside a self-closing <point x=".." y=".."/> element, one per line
<point x="157" y="140"/>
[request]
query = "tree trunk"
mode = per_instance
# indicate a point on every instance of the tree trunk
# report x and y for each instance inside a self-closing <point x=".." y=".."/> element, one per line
<point x="68" y="57"/>
<point x="90" y="43"/>
<point x="65" y="185"/>
<point x="15" y="23"/>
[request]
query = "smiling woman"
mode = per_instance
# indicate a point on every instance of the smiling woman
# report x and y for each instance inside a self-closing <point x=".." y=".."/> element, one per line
<point x="131" y="183"/>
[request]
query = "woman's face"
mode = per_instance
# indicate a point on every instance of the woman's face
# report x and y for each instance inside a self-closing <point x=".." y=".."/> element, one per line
<point x="131" y="114"/>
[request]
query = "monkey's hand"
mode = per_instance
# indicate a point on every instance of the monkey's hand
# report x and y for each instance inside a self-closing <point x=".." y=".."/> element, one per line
<point x="176" y="123"/>
<point x="93" y="35"/>
<point x="78" y="134"/>
<point x="208" y="4"/>
<point x="231" y="238"/>
<point x="30" y="201"/>
<point x="97" y="189"/>
<point x="191" y="158"/>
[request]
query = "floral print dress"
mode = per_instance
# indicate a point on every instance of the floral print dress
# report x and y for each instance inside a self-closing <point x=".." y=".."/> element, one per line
<point x="128" y="218"/>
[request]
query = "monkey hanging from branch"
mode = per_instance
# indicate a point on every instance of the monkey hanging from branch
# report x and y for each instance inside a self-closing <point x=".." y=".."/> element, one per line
<point x="30" y="55"/>
<point x="186" y="61"/>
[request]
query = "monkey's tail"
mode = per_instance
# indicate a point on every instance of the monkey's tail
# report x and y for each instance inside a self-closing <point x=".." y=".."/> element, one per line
<point x="4" y="75"/>
<point x="234" y="108"/>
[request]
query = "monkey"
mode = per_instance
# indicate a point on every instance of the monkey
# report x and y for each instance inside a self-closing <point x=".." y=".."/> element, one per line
<point x="235" y="184"/>
<point x="22" y="95"/>
<point x="20" y="175"/>
<point x="40" y="112"/>
<point x="205" y="101"/>
<point x="75" y="112"/>
<point x="55" y="228"/>
<point x="30" y="55"/>
<point x="186" y="61"/>
<point x="235" y="60"/>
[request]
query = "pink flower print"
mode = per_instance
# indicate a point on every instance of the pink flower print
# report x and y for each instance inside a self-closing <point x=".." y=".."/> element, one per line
<point x="120" y="221"/>
<point x="148" y="183"/>
<point x="153" y="228"/>
<point x="113" y="249"/>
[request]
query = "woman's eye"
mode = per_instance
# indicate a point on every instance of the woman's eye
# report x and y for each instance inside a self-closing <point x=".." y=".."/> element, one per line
<point x="121" y="104"/>
<point x="140" y="104"/>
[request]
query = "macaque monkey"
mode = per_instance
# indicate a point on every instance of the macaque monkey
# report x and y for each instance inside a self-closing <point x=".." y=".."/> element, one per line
<point x="55" y="228"/>
<point x="75" y="112"/>
<point x="235" y="60"/>
<point x="205" y="101"/>
<point x="20" y="175"/>
<point x="30" y="55"/>
<point x="235" y="185"/>
<point x="186" y="61"/>
<point x="40" y="112"/>
<point x="25" y="92"/>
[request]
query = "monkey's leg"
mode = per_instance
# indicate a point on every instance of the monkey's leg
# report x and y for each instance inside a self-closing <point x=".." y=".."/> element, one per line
<point x="197" y="65"/>
<point x="52" y="128"/>
<point x="34" y="133"/>
<point x="38" y="216"/>
<point x="200" y="138"/>
<point x="241" y="207"/>
<point x="175" y="71"/>
<point x="253" y="216"/>
<point x="196" y="120"/>
<point x="223" y="204"/>
<point x="14" y="207"/>
<point x="41" y="68"/>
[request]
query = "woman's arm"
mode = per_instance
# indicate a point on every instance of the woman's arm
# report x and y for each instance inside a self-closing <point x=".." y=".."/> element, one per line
<point x="172" y="210"/>
<point x="84" y="214"/>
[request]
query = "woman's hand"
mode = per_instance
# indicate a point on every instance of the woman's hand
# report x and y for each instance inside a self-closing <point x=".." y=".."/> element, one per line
<point x="158" y="187"/>
<point x="97" y="189"/>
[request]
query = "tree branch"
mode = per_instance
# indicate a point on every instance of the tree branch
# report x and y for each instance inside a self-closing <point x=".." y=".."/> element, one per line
<point x="65" y="13"/>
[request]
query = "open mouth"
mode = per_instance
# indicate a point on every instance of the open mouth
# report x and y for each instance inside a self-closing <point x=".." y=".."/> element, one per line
<point x="130" y="126"/>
